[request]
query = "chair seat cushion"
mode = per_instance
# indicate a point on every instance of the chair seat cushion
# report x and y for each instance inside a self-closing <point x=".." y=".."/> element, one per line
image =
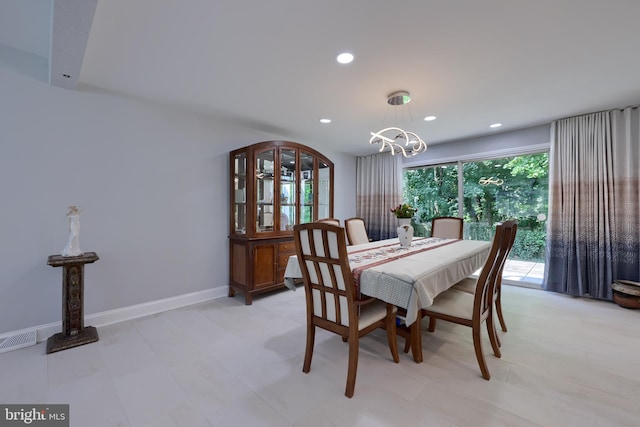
<point x="467" y="285"/>
<point x="371" y="313"/>
<point x="453" y="303"/>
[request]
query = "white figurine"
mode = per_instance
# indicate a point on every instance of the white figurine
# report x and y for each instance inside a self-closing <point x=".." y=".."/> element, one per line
<point x="73" y="245"/>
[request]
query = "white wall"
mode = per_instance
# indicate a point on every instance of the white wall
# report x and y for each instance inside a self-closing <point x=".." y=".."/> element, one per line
<point x="152" y="183"/>
<point x="532" y="139"/>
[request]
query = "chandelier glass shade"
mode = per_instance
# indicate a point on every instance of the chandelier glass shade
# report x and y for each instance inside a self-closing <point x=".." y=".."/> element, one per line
<point x="395" y="139"/>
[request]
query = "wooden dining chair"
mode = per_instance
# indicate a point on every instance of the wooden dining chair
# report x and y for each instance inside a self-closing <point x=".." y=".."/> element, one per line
<point x="447" y="227"/>
<point x="331" y="295"/>
<point x="475" y="309"/>
<point x="356" y="231"/>
<point x="468" y="285"/>
<point x="333" y="221"/>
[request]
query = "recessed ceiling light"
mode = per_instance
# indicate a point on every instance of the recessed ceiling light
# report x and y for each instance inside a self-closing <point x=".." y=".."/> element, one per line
<point x="325" y="120"/>
<point x="429" y="118"/>
<point x="495" y="125"/>
<point x="345" y="58"/>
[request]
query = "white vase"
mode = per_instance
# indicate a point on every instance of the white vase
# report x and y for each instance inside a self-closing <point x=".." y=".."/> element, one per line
<point x="73" y="244"/>
<point x="405" y="232"/>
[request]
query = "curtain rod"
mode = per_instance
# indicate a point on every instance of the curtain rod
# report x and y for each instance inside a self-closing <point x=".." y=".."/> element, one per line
<point x="596" y="112"/>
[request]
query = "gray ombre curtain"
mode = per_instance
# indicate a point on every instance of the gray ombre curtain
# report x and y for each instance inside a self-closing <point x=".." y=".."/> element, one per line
<point x="593" y="234"/>
<point x="378" y="189"/>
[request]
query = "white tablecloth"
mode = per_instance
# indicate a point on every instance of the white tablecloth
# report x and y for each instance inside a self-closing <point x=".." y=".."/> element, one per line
<point x="411" y="278"/>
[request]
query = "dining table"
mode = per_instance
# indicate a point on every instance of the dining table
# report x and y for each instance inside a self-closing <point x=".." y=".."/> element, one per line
<point x="409" y="278"/>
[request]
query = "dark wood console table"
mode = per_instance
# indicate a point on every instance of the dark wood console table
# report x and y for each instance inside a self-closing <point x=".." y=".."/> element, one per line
<point x="73" y="331"/>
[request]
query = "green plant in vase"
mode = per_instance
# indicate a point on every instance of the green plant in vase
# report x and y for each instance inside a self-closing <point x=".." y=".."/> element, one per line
<point x="404" y="210"/>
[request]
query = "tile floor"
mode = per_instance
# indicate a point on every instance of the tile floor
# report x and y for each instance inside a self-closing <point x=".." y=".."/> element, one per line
<point x="566" y="362"/>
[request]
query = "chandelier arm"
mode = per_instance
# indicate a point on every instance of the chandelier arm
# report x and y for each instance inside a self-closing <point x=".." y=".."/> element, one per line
<point x="415" y="144"/>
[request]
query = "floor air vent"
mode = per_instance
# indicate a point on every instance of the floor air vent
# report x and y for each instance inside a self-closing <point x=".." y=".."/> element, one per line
<point x="14" y="342"/>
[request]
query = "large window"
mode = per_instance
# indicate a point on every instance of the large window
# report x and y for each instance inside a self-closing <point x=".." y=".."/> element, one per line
<point x="434" y="191"/>
<point x="493" y="190"/>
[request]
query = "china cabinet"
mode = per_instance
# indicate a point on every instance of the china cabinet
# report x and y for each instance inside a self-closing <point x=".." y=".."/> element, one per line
<point x="274" y="186"/>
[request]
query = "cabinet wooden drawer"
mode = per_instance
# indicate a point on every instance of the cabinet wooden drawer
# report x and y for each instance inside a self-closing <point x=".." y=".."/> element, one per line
<point x="288" y="248"/>
<point x="283" y="259"/>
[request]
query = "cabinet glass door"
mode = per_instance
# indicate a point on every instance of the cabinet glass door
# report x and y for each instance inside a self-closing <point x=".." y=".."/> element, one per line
<point x="240" y="193"/>
<point x="306" y="188"/>
<point x="287" y="189"/>
<point x="265" y="162"/>
<point x="324" y="190"/>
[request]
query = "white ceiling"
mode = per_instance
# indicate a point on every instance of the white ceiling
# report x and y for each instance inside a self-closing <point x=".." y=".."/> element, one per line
<point x="270" y="65"/>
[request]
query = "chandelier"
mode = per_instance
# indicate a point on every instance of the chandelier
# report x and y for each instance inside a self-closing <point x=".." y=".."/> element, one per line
<point x="396" y="139"/>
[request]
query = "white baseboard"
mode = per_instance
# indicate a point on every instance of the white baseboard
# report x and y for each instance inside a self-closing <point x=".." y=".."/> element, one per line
<point x="132" y="312"/>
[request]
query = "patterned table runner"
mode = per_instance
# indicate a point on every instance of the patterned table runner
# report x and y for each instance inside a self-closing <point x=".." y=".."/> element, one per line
<point x="362" y="259"/>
